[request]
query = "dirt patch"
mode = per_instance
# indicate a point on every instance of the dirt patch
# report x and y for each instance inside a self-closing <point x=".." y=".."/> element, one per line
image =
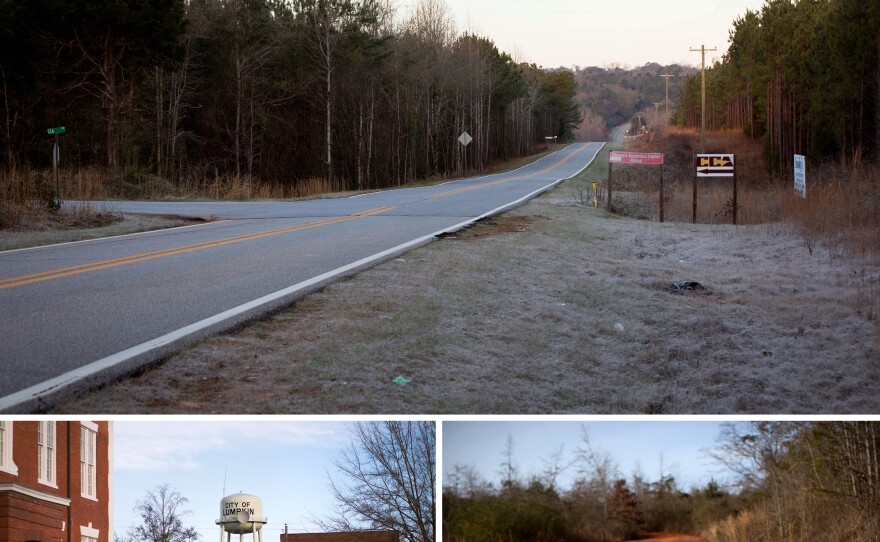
<point x="572" y="315"/>
<point x="495" y="225"/>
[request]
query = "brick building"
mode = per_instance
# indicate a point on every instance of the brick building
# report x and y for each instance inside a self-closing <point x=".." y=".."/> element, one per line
<point x="355" y="536"/>
<point x="55" y="481"/>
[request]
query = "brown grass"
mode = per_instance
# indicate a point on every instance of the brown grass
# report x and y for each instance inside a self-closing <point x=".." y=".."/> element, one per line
<point x="842" y="207"/>
<point x="816" y="523"/>
<point x="28" y="203"/>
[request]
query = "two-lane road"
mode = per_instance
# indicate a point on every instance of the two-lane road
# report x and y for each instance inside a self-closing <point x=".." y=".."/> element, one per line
<point x="85" y="312"/>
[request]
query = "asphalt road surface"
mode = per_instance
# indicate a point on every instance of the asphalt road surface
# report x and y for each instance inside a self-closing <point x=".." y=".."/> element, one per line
<point x="78" y="314"/>
<point x="618" y="134"/>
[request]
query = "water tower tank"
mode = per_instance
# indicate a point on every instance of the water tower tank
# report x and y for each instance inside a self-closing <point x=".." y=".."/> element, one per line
<point x="241" y="513"/>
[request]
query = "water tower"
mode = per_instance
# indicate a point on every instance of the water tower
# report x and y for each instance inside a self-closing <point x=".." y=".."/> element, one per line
<point x="241" y="514"/>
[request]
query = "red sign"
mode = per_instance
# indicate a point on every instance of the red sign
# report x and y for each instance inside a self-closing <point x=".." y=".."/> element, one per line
<point x="646" y="158"/>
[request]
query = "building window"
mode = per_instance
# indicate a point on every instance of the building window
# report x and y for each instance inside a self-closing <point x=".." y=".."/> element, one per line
<point x="46" y="453"/>
<point x="88" y="454"/>
<point x="89" y="533"/>
<point x="6" y="463"/>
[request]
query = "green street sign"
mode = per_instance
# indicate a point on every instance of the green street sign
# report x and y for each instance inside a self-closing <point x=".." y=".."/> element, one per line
<point x="56" y="131"/>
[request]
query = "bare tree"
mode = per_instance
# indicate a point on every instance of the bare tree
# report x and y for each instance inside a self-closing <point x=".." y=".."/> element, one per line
<point x="597" y="469"/>
<point x="162" y="511"/>
<point x="328" y="22"/>
<point x="465" y="481"/>
<point x="389" y="477"/>
<point x="507" y="469"/>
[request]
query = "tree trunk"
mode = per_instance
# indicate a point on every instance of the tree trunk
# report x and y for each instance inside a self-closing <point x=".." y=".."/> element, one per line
<point x="111" y="96"/>
<point x="159" y="99"/>
<point x="877" y="105"/>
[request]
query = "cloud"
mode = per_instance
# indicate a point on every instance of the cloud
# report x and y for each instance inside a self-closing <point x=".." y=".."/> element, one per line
<point x="166" y="445"/>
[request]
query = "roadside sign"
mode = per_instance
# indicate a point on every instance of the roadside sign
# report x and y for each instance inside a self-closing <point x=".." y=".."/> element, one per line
<point x="714" y="165"/>
<point x="640" y="158"/>
<point x="56" y="131"/>
<point x="800" y="175"/>
<point x="465" y="138"/>
<point x="646" y="158"/>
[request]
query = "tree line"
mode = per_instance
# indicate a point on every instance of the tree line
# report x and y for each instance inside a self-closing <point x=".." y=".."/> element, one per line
<point x="790" y="481"/>
<point x="803" y="75"/>
<point x="277" y="90"/>
<point x="610" y="96"/>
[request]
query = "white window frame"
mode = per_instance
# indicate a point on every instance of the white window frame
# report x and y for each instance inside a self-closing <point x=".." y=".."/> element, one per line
<point x="88" y="460"/>
<point x="47" y="445"/>
<point x="7" y="464"/>
<point x="89" y="534"/>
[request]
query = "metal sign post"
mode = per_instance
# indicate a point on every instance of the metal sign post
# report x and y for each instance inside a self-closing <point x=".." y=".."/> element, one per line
<point x="610" y="183"/>
<point x="715" y="165"/>
<point x="465" y="139"/>
<point x="643" y="158"/>
<point x="56" y="159"/>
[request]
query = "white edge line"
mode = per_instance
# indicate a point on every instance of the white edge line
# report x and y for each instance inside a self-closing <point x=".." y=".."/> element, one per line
<point x="159" y="230"/>
<point x="57" y="383"/>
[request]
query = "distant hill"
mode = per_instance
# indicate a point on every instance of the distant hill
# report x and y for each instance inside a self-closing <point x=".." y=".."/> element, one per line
<point x="616" y="93"/>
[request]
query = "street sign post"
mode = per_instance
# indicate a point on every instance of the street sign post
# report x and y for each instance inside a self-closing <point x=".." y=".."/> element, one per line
<point x="715" y="165"/>
<point x="465" y="140"/>
<point x="800" y="175"/>
<point x="56" y="158"/>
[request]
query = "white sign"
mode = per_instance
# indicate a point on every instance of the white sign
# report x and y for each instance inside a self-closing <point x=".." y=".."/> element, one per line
<point x="800" y="175"/>
<point x="465" y="138"/>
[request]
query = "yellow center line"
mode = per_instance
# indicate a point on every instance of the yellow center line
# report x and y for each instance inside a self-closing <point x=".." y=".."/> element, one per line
<point x="500" y="181"/>
<point x="12" y="282"/>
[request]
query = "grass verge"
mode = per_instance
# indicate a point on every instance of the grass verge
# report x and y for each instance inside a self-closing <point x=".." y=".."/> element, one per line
<point x="555" y="307"/>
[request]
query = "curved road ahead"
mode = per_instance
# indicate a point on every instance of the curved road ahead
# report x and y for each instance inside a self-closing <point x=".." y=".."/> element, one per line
<point x="81" y="313"/>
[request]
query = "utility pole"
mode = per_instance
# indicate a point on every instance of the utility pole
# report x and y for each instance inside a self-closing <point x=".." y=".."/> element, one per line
<point x="666" y="127"/>
<point x="667" y="76"/>
<point x="702" y="51"/>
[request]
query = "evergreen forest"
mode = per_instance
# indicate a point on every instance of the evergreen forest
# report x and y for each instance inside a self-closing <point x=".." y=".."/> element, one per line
<point x="802" y="76"/>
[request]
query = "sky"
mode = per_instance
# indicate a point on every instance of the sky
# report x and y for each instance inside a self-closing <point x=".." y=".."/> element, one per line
<point x="284" y="463"/>
<point x="554" y="33"/>
<point x="634" y="446"/>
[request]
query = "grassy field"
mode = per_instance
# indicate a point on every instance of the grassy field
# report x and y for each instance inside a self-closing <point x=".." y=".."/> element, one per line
<point x="555" y="307"/>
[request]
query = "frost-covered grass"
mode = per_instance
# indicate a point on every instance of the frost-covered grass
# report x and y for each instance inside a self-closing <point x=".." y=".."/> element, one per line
<point x="555" y="307"/>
